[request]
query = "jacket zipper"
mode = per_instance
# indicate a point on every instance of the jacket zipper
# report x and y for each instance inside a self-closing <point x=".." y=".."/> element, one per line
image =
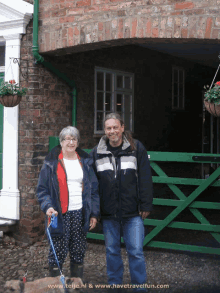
<point x="112" y="159"/>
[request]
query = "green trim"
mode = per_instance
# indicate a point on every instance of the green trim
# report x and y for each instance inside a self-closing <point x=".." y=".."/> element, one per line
<point x="74" y="93"/>
<point x="197" y="204"/>
<point x="53" y="141"/>
<point x="179" y="157"/>
<point x="183" y="181"/>
<point x="95" y="236"/>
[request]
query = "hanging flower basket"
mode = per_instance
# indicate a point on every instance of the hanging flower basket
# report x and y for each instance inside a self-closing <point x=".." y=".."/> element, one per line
<point x="10" y="101"/>
<point x="212" y="108"/>
<point x="212" y="99"/>
<point x="11" y="94"/>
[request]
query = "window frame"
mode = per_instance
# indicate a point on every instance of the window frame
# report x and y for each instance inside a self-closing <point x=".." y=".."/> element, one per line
<point x="179" y="69"/>
<point x="114" y="91"/>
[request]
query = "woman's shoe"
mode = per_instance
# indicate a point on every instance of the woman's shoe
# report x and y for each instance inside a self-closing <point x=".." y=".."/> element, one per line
<point x="76" y="270"/>
<point x="54" y="271"/>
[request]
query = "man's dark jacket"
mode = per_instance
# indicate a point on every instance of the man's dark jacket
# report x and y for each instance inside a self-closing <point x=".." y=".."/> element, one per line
<point x="48" y="189"/>
<point x="125" y="182"/>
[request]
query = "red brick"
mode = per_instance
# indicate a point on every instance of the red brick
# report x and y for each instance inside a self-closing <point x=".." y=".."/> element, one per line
<point x="215" y="33"/>
<point x="56" y="1"/>
<point x="134" y="28"/>
<point x="76" y="31"/>
<point x="70" y="36"/>
<point x="92" y="9"/>
<point x="35" y="113"/>
<point x="100" y="26"/>
<point x="120" y="28"/>
<point x="195" y="12"/>
<point x="83" y="3"/>
<point x="184" y="5"/>
<point x="64" y="33"/>
<point x="25" y="222"/>
<point x="148" y="28"/>
<point x="184" y="32"/>
<point x="23" y="112"/>
<point x="67" y="19"/>
<point x="208" y="28"/>
<point x="155" y="33"/>
<point x="177" y="13"/>
<point x="140" y="32"/>
<point x="59" y="12"/>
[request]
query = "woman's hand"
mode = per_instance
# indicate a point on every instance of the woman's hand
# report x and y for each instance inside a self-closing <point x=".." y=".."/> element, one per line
<point x="92" y="224"/>
<point x="51" y="211"/>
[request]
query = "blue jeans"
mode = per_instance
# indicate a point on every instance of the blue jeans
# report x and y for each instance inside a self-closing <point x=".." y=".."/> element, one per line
<point x="133" y="235"/>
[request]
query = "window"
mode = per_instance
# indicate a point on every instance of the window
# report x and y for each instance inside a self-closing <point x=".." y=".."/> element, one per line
<point x="178" y="89"/>
<point x="114" y="92"/>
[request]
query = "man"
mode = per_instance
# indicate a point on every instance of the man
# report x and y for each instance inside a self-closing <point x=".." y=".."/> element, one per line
<point x="125" y="189"/>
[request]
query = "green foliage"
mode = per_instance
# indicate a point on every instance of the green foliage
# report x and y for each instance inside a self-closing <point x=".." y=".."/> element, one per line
<point x="212" y="95"/>
<point x="8" y="89"/>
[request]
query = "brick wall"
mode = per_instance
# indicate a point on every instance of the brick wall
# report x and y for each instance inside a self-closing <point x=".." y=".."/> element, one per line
<point x="43" y="112"/>
<point x="73" y="24"/>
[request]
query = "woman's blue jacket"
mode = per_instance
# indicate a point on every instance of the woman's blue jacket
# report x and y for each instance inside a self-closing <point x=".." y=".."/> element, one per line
<point x="48" y="190"/>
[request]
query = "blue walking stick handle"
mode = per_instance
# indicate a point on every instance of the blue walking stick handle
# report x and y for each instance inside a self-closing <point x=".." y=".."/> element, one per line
<point x="53" y="221"/>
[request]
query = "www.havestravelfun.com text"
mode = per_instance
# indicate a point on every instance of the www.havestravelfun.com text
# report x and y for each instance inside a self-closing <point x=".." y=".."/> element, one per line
<point x="106" y="286"/>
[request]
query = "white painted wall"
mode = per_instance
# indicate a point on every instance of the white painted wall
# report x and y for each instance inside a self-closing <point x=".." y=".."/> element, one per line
<point x="14" y="17"/>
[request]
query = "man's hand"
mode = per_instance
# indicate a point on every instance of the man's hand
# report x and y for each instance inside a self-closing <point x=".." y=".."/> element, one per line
<point x="144" y="215"/>
<point x="92" y="224"/>
<point x="51" y="211"/>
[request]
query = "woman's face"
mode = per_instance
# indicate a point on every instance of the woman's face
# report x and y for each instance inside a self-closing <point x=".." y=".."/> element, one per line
<point x="69" y="144"/>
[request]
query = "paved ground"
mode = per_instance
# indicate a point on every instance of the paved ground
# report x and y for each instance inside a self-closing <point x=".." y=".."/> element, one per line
<point x="180" y="272"/>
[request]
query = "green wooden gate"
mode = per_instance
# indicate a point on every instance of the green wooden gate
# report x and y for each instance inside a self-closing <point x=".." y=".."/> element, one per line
<point x="182" y="202"/>
<point x="1" y="132"/>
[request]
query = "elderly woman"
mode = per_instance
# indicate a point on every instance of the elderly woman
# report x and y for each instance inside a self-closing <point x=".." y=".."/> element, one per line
<point x="68" y="188"/>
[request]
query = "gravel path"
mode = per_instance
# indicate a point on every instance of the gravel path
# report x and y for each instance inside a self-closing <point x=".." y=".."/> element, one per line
<point x="196" y="273"/>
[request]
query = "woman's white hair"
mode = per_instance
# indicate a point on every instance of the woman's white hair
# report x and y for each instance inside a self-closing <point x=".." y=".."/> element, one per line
<point x="71" y="131"/>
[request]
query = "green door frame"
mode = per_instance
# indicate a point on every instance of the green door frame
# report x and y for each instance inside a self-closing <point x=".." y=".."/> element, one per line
<point x="1" y="132"/>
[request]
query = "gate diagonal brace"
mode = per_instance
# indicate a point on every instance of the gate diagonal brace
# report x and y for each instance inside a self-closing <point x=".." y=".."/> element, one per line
<point x="187" y="201"/>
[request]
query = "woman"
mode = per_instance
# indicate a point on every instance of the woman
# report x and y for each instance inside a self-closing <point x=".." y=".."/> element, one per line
<point x="68" y="188"/>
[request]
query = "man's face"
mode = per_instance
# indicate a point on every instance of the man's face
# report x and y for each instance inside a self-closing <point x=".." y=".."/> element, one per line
<point x="114" y="131"/>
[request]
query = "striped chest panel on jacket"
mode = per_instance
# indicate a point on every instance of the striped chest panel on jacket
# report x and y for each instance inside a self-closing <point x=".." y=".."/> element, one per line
<point x="128" y="162"/>
<point x="107" y="163"/>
